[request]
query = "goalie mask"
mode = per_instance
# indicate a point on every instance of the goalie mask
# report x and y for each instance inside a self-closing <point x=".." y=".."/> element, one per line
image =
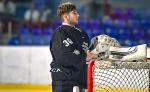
<point x="99" y="47"/>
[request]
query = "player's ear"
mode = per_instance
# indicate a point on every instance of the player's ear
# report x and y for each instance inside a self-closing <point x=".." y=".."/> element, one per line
<point x="65" y="16"/>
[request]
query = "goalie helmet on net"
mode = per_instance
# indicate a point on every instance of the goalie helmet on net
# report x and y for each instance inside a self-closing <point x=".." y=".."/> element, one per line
<point x="99" y="47"/>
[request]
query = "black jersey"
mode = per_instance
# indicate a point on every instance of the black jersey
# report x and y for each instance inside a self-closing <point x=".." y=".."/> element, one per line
<point x="68" y="47"/>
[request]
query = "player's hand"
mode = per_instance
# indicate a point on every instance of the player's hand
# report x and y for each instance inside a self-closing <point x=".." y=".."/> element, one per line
<point x="88" y="55"/>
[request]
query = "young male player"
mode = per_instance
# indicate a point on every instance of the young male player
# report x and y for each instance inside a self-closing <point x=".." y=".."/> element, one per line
<point x="68" y="47"/>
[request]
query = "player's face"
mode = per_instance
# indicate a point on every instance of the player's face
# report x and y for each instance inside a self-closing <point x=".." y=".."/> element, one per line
<point x="73" y="17"/>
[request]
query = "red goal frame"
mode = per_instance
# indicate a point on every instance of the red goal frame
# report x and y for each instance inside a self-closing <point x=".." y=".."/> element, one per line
<point x="90" y="74"/>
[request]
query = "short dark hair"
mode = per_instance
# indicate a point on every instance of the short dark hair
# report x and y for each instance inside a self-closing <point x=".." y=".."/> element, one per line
<point x="65" y="8"/>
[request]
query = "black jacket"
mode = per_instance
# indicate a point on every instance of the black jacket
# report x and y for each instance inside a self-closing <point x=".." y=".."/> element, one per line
<point x="68" y="48"/>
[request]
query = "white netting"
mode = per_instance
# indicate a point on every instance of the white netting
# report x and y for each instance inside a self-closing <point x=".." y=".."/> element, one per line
<point x="121" y="76"/>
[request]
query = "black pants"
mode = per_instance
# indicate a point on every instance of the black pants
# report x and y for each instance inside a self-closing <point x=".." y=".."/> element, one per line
<point x="64" y="86"/>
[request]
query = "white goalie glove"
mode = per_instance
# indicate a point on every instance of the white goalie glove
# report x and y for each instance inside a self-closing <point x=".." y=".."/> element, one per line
<point x="100" y="45"/>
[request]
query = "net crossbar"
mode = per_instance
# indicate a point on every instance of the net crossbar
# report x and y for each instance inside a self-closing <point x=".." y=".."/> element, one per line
<point x="119" y="76"/>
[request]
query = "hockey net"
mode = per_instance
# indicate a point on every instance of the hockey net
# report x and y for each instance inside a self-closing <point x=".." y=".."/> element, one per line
<point x="119" y="76"/>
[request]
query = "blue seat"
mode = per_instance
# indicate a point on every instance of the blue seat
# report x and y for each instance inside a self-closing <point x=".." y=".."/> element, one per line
<point x="94" y="23"/>
<point x="24" y="36"/>
<point x="107" y="23"/>
<point x="141" y="41"/>
<point x="134" y="42"/>
<point x="148" y="42"/>
<point x="125" y="42"/>
<point x="147" y="32"/>
<point x="36" y="36"/>
<point x="23" y="30"/>
<point x="123" y="33"/>
<point x="37" y="40"/>
<point x="119" y="23"/>
<point x="130" y="11"/>
<point x="83" y="24"/>
<point x="111" y="31"/>
<point x="56" y="23"/>
<point x="36" y="31"/>
<point x="98" y="31"/>
<point x="89" y="33"/>
<point x="145" y="23"/>
<point x="25" y="40"/>
<point x="46" y="39"/>
<point x="130" y="42"/>
<point x="135" y="23"/>
<point x="143" y="12"/>
<point x="47" y="31"/>
<point x="147" y="38"/>
<point x="138" y="33"/>
<point x="13" y="41"/>
<point x="121" y="42"/>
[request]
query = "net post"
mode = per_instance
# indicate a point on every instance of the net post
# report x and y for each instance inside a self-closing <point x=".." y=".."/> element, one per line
<point x="147" y="58"/>
<point x="148" y="77"/>
<point x="90" y="76"/>
<point x="149" y="81"/>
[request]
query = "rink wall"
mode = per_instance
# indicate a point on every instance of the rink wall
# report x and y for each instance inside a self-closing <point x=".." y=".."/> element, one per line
<point x="26" y="65"/>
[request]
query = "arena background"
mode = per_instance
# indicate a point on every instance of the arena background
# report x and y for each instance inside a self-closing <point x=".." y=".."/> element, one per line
<point x="24" y="39"/>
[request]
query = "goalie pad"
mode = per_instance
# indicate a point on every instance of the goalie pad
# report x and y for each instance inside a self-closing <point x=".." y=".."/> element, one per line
<point x="138" y="53"/>
<point x="103" y="47"/>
